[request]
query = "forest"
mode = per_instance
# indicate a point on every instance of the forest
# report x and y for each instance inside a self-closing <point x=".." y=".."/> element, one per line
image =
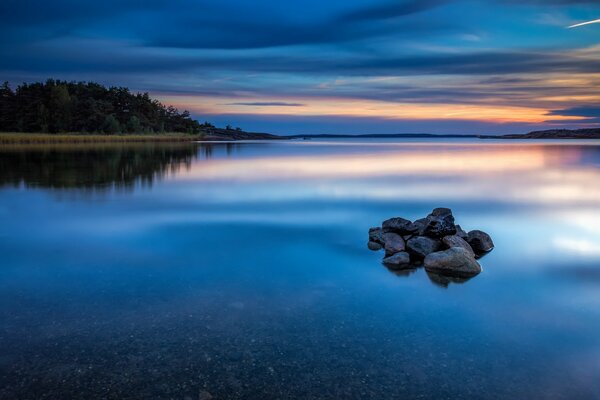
<point x="58" y="106"/>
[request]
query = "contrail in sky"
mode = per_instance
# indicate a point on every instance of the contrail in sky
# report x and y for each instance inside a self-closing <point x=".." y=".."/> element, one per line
<point x="596" y="21"/>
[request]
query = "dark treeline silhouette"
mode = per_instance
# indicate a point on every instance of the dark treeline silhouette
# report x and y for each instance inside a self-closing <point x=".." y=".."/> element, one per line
<point x="86" y="107"/>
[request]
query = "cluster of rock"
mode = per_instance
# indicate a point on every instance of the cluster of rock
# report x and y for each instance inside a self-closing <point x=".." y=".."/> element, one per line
<point x="435" y="242"/>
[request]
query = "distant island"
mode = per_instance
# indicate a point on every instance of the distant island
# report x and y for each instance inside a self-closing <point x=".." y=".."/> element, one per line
<point x="592" y="133"/>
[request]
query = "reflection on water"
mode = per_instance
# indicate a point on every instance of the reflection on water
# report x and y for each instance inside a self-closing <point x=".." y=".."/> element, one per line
<point x="91" y="166"/>
<point x="444" y="281"/>
<point x="241" y="270"/>
<point x="98" y="166"/>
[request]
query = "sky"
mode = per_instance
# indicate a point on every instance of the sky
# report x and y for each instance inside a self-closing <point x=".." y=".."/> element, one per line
<point x="316" y="66"/>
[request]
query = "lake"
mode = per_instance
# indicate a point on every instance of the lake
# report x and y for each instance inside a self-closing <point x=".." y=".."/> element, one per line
<point x="241" y="271"/>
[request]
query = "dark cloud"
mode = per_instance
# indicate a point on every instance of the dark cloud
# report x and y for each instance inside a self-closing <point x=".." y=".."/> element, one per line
<point x="267" y="104"/>
<point x="103" y="57"/>
<point x="209" y="24"/>
<point x="579" y="111"/>
<point x="391" y="10"/>
<point x="591" y="113"/>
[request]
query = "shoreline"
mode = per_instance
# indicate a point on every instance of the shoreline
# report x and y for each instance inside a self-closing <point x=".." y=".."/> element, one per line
<point x="75" y="138"/>
<point x="223" y="135"/>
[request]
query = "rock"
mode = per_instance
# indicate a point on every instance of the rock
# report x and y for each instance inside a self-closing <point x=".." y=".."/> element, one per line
<point x="393" y="243"/>
<point x="398" y="225"/>
<point x="399" y="260"/>
<point x="455" y="261"/>
<point x="448" y="253"/>
<point x="418" y="227"/>
<point x="457" y="241"/>
<point x="461" y="233"/>
<point x="376" y="235"/>
<point x="420" y="246"/>
<point x="204" y="395"/>
<point x="374" y="246"/>
<point x="440" y="223"/>
<point x="480" y="242"/>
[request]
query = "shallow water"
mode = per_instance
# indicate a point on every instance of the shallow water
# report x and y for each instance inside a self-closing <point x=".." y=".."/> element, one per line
<point x="241" y="271"/>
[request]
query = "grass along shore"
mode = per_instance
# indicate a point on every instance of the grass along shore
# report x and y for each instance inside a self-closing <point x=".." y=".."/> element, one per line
<point x="33" y="138"/>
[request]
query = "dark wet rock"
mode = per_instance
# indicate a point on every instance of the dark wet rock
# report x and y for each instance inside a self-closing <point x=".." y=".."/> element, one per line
<point x="399" y="260"/>
<point x="376" y="235"/>
<point x="374" y="246"/>
<point x="440" y="223"/>
<point x="455" y="261"/>
<point x="204" y="395"/>
<point x="448" y="253"/>
<point x="418" y="227"/>
<point x="480" y="241"/>
<point x="460" y="232"/>
<point x="398" y="225"/>
<point x="393" y="243"/>
<point x="420" y="246"/>
<point x="457" y="241"/>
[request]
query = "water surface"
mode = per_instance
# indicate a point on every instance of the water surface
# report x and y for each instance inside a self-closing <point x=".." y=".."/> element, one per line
<point x="241" y="270"/>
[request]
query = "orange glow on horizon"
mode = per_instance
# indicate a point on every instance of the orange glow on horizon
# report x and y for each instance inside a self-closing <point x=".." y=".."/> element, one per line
<point x="368" y="108"/>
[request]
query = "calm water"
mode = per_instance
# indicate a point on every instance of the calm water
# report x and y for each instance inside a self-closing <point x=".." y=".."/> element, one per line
<point x="241" y="271"/>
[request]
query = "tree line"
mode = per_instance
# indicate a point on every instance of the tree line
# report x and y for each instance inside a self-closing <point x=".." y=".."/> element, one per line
<point x="58" y="106"/>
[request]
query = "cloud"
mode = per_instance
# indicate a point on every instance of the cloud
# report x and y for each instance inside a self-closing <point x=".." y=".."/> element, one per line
<point x="579" y="111"/>
<point x="391" y="10"/>
<point x="590" y="112"/>
<point x="209" y="24"/>
<point x="267" y="104"/>
<point x="269" y="53"/>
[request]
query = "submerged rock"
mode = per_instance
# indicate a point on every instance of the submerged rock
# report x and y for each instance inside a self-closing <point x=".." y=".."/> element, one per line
<point x="480" y="241"/>
<point x="440" y="223"/>
<point x="393" y="243"/>
<point x="420" y="246"/>
<point x="457" y="241"/>
<point x="398" y="225"/>
<point x="455" y="261"/>
<point x="399" y="260"/>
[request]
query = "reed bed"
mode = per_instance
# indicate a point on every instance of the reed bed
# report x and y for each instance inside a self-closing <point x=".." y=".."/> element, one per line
<point x="41" y="138"/>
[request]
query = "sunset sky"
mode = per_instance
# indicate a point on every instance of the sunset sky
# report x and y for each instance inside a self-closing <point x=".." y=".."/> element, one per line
<point x="351" y="66"/>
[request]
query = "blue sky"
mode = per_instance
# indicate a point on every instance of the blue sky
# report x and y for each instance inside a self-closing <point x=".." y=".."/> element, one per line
<point x="353" y="66"/>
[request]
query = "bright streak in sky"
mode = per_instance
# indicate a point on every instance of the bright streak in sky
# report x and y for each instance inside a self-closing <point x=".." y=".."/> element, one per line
<point x="596" y="21"/>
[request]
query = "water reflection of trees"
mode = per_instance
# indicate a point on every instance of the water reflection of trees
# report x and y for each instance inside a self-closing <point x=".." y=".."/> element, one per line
<point x="93" y="166"/>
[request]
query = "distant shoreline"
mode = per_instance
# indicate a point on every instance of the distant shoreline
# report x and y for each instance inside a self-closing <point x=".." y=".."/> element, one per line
<point x="221" y="135"/>
<point x="214" y="134"/>
<point x="547" y="134"/>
